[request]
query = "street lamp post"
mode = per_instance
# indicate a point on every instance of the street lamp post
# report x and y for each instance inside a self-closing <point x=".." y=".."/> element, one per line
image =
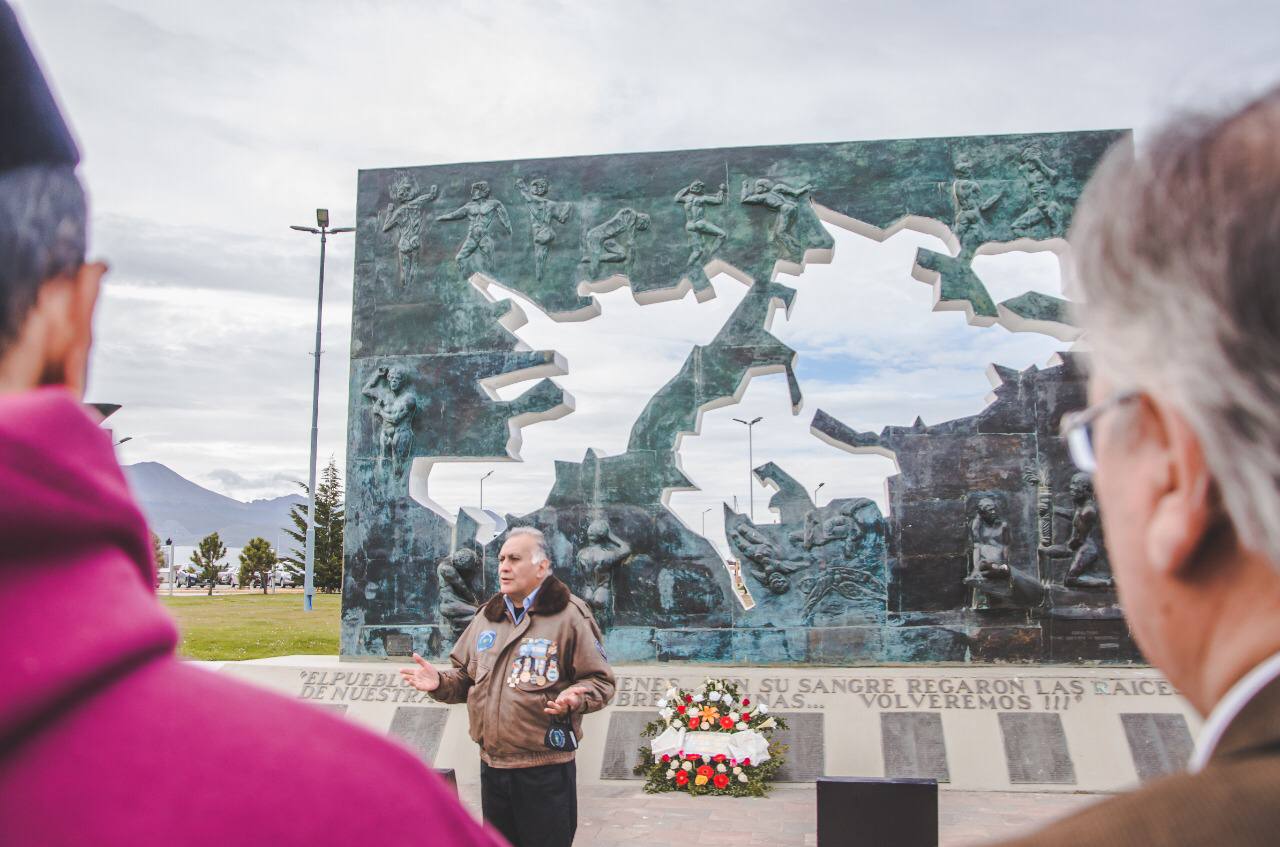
<point x="169" y="543"/>
<point x="704" y="521"/>
<point x="482" y="479"/>
<point x="751" y="462"/>
<point x="308" y="584"/>
<point x="815" y="492"/>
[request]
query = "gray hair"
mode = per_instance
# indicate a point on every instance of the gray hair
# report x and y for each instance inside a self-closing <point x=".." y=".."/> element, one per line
<point x="541" y="552"/>
<point x="42" y="237"/>
<point x="1178" y="261"/>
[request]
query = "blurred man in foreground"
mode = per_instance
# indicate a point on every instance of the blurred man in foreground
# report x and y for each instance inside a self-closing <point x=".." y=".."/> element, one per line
<point x="105" y="738"/>
<point x="1178" y="256"/>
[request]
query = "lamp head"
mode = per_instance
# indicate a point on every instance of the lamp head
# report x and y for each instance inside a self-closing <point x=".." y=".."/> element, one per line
<point x="322" y="218"/>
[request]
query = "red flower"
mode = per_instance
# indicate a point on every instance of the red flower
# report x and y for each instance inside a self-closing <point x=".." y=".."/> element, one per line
<point x="705" y="770"/>
<point x="745" y="702"/>
<point x="688" y="698"/>
<point x="693" y="722"/>
<point x="680" y="709"/>
<point x="719" y="757"/>
<point x="682" y="778"/>
<point x="666" y="757"/>
<point x="721" y="780"/>
<point x="726" y="722"/>
<point x="746" y="763"/>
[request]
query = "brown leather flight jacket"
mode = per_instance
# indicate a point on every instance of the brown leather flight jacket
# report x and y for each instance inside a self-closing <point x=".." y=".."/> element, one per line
<point x="506" y="672"/>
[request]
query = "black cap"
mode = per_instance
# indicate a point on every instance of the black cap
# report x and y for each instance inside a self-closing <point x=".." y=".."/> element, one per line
<point x="32" y="131"/>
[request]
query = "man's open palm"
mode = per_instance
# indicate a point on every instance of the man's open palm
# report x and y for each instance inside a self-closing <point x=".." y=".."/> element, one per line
<point x="424" y="677"/>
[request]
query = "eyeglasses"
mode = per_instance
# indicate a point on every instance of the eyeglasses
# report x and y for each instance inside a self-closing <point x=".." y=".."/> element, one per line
<point x="1077" y="429"/>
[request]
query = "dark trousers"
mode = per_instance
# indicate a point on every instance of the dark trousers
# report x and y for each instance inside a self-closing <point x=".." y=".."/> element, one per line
<point x="531" y="807"/>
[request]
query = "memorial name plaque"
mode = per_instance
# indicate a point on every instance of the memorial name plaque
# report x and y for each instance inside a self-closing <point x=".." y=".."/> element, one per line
<point x="1058" y="729"/>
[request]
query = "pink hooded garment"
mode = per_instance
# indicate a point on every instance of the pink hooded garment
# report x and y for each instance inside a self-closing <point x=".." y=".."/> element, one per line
<point x="106" y="739"/>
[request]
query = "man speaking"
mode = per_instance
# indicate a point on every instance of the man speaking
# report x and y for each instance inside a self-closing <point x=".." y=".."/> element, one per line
<point x="528" y="666"/>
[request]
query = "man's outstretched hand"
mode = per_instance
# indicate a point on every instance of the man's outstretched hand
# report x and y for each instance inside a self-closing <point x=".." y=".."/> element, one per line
<point x="568" y="701"/>
<point x="424" y="677"/>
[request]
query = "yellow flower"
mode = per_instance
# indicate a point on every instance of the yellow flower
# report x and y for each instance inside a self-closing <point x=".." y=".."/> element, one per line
<point x="700" y="780"/>
<point x="710" y="713"/>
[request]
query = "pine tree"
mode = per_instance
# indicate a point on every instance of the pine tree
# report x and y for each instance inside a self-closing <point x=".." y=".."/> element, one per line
<point x="206" y="557"/>
<point x="257" y="560"/>
<point x="330" y="521"/>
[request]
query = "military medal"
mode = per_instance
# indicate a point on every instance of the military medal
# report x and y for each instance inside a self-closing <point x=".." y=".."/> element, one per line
<point x="526" y="662"/>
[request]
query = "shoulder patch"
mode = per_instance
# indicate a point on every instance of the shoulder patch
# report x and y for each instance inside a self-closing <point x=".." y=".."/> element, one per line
<point x="485" y="640"/>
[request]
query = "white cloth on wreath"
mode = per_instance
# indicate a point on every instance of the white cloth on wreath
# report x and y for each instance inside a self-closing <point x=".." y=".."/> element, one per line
<point x="747" y="744"/>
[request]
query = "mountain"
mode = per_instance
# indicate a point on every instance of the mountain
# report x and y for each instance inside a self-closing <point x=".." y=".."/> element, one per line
<point x="177" y="508"/>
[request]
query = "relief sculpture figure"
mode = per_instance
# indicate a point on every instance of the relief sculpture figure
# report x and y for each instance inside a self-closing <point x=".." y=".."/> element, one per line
<point x="614" y="240"/>
<point x="971" y="209"/>
<point x="458" y="602"/>
<point x="783" y="201"/>
<point x="395" y="405"/>
<point x="1045" y="216"/>
<point x="989" y="536"/>
<point x="542" y="212"/>
<point x="404" y="212"/>
<point x="603" y="553"/>
<point x="763" y="558"/>
<point x="481" y="211"/>
<point x="694" y="198"/>
<point x="1085" y="543"/>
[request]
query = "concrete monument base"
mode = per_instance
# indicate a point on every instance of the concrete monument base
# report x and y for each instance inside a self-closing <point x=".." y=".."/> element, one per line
<point x="986" y="728"/>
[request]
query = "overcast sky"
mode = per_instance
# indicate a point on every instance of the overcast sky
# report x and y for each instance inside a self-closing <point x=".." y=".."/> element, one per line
<point x="208" y="128"/>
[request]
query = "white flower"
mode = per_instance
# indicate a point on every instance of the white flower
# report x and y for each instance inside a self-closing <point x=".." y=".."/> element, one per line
<point x="742" y="777"/>
<point x="688" y="766"/>
<point x="742" y="725"/>
<point x="762" y="709"/>
<point x="733" y="716"/>
<point x="671" y="692"/>
<point x="671" y="774"/>
<point x="727" y="700"/>
<point x="720" y="768"/>
<point x="714" y="697"/>
<point x="698" y="698"/>
<point x="667" y="713"/>
<point x="768" y="724"/>
<point x="662" y="704"/>
<point x="737" y="770"/>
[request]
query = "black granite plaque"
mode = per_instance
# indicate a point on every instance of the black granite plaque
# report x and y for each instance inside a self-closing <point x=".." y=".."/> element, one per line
<point x="397" y="644"/>
<point x="1035" y="748"/>
<point x="806" y="756"/>
<point x="623" y="742"/>
<point x="1160" y="743"/>
<point x="913" y="745"/>
<point x="861" y="812"/>
<point x="420" y="727"/>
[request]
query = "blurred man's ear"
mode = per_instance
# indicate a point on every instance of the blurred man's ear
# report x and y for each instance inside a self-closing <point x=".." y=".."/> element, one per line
<point x="65" y="308"/>
<point x="1186" y="509"/>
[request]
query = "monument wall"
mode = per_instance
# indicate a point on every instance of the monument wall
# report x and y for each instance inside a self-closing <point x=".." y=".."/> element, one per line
<point x="991" y="549"/>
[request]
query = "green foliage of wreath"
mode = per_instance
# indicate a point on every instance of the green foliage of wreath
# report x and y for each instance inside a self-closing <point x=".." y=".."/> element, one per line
<point x="744" y="780"/>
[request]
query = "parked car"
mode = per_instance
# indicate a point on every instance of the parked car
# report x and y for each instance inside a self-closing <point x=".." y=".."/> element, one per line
<point x="287" y="576"/>
<point x="229" y="576"/>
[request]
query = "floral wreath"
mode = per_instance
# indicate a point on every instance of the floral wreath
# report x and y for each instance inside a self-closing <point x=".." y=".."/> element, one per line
<point x="729" y="740"/>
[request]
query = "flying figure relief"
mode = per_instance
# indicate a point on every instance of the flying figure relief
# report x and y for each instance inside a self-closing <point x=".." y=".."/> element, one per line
<point x="542" y="212"/>
<point x="404" y="212"/>
<point x="614" y="240"/>
<point x="694" y="198"/>
<point x="395" y="405"/>
<point x="970" y="226"/>
<point x="1045" y="217"/>
<point x="476" y="253"/>
<point x="784" y="201"/>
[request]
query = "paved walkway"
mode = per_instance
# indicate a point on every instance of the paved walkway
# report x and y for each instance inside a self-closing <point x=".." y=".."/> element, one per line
<point x="611" y="816"/>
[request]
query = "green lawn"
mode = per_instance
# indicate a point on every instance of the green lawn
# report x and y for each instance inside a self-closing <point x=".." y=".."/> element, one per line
<point x="252" y="626"/>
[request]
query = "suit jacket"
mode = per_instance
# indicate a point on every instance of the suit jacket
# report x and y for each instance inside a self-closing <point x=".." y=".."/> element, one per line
<point x="1234" y="800"/>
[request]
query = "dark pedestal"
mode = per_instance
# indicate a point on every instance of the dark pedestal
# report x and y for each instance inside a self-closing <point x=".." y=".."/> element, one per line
<point x="856" y="811"/>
